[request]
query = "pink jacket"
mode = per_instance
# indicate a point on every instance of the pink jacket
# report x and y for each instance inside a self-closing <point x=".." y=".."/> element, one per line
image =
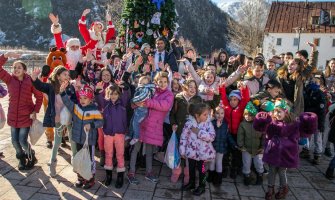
<point x="197" y="146"/>
<point x="151" y="131"/>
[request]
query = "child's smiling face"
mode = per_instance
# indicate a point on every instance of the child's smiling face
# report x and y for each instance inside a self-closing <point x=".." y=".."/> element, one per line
<point x="209" y="78"/>
<point x="279" y="114"/>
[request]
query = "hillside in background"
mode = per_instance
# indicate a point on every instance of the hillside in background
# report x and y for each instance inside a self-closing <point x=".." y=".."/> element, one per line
<point x="25" y="22"/>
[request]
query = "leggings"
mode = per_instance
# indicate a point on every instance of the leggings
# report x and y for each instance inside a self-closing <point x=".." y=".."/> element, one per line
<point x="193" y="165"/>
<point x="149" y="149"/>
<point x="273" y="171"/>
<point x="58" y="140"/>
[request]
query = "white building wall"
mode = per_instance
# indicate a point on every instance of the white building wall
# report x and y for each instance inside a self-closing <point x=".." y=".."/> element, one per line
<point x="326" y="49"/>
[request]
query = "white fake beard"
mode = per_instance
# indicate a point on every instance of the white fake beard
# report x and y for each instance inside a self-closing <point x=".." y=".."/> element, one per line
<point x="73" y="58"/>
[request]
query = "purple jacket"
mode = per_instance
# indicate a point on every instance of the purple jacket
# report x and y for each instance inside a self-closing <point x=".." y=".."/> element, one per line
<point x="115" y="115"/>
<point x="281" y="139"/>
<point x="151" y="131"/>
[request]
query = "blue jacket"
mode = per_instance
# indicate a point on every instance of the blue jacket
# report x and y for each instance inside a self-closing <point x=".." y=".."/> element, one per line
<point x="48" y="89"/>
<point x="222" y="138"/>
<point x="82" y="116"/>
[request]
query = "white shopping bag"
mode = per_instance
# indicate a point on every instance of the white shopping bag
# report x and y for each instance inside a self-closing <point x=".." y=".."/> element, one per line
<point x="82" y="162"/>
<point x="36" y="131"/>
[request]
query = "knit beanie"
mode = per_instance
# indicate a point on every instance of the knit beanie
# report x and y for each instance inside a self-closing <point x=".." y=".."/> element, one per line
<point x="235" y="93"/>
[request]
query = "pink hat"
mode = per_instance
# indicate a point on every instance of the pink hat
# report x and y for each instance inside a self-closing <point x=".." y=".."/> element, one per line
<point x="87" y="92"/>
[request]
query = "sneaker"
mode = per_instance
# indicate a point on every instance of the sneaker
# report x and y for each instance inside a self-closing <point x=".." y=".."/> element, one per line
<point x="151" y="177"/>
<point x="52" y="168"/>
<point x="328" y="152"/>
<point x="304" y="154"/>
<point x="132" y="179"/>
<point x="133" y="141"/>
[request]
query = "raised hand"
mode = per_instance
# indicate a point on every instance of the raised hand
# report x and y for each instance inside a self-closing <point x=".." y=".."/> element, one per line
<point x="99" y="86"/>
<point x="108" y="17"/>
<point x="36" y="72"/>
<point x="54" y="18"/>
<point x="222" y="82"/>
<point x="139" y="61"/>
<point x="12" y="55"/>
<point x="63" y="86"/>
<point x="85" y="12"/>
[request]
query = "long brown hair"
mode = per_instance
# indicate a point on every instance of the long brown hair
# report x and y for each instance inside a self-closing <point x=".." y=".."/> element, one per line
<point x="54" y="77"/>
<point x="328" y="70"/>
<point x="283" y="72"/>
<point x="24" y="66"/>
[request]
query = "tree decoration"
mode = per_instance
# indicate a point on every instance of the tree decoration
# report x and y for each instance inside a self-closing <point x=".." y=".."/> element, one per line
<point x="158" y="3"/>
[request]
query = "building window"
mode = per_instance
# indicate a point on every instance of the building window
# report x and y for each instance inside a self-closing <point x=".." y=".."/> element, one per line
<point x="295" y="41"/>
<point x="332" y="20"/>
<point x="316" y="41"/>
<point x="333" y="42"/>
<point x="315" y="20"/>
<point x="278" y="41"/>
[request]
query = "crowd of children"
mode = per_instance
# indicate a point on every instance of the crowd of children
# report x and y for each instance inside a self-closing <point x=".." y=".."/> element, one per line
<point x="234" y="114"/>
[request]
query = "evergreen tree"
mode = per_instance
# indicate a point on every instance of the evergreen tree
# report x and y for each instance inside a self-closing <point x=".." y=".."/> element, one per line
<point x="146" y="20"/>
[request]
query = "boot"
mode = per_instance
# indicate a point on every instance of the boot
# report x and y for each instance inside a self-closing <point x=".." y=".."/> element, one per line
<point x="119" y="180"/>
<point x="80" y="181"/>
<point x="304" y="154"/>
<point x="225" y="172"/>
<point x="89" y="183"/>
<point x="189" y="186"/>
<point x="281" y="194"/>
<point x="316" y="160"/>
<point x="217" y="179"/>
<point x="328" y="152"/>
<point x="186" y="175"/>
<point x="52" y="168"/>
<point x="247" y="179"/>
<point x="49" y="144"/>
<point x="102" y="158"/>
<point x="199" y="191"/>
<point x="31" y="161"/>
<point x="108" y="177"/>
<point x="22" y="161"/>
<point x="330" y="173"/>
<point x="175" y="174"/>
<point x="63" y="142"/>
<point x="211" y="176"/>
<point x="259" y="179"/>
<point x="269" y="194"/>
<point x="233" y="173"/>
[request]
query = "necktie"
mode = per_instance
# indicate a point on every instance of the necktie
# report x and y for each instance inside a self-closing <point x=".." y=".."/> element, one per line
<point x="159" y="57"/>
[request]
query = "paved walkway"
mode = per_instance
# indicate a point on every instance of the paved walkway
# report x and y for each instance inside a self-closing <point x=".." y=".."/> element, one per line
<point x="306" y="183"/>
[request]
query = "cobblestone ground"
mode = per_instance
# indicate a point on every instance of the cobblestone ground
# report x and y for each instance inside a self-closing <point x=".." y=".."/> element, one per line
<point x="308" y="182"/>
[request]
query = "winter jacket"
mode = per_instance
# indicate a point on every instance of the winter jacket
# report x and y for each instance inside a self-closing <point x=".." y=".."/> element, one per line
<point x="115" y="115"/>
<point x="234" y="116"/>
<point x="179" y="111"/>
<point x="331" y="125"/>
<point x="143" y="92"/>
<point x="151" y="131"/>
<point x="21" y="104"/>
<point x="48" y="89"/>
<point x="197" y="146"/>
<point x="255" y="85"/>
<point x="82" y="116"/>
<point x="222" y="138"/>
<point x="248" y="139"/>
<point x="3" y="92"/>
<point x="281" y="139"/>
<point x="315" y="101"/>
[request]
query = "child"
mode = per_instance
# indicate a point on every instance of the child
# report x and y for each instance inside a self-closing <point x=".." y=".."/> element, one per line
<point x="265" y="99"/>
<point x="234" y="107"/>
<point x="86" y="118"/>
<point x="152" y="126"/>
<point x="114" y="128"/>
<point x="178" y="118"/>
<point x="258" y="79"/>
<point x="220" y="144"/>
<point x="250" y="142"/>
<point x="3" y="93"/>
<point x="282" y="133"/>
<point x="196" y="145"/>
<point x="144" y="91"/>
<point x="21" y="110"/>
<point x="175" y="86"/>
<point x="52" y="116"/>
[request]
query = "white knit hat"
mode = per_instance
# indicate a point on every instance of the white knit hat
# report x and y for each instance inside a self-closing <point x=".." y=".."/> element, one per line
<point x="72" y="42"/>
<point x="145" y="45"/>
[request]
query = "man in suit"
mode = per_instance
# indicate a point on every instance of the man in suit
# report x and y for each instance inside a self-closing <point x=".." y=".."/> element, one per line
<point x="163" y="57"/>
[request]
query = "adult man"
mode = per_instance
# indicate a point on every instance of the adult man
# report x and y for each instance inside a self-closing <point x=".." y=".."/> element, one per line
<point x="162" y="57"/>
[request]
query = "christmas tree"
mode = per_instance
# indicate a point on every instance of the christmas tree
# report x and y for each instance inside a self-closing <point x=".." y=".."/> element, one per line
<point x="145" y="20"/>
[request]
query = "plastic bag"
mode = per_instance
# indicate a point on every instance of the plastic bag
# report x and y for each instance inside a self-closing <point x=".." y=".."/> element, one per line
<point x="172" y="156"/>
<point x="82" y="161"/>
<point x="2" y="117"/>
<point x="36" y="131"/>
<point x="65" y="116"/>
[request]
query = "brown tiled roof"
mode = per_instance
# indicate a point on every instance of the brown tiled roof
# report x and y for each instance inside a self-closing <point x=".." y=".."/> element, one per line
<point x="285" y="16"/>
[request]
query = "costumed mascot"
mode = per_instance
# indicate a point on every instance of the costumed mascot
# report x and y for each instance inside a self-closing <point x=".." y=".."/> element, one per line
<point x="55" y="58"/>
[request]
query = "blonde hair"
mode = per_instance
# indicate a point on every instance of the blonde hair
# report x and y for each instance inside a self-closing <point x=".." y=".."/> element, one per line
<point x="160" y="75"/>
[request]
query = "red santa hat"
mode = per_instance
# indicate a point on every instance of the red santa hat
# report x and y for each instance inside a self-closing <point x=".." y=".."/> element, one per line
<point x="86" y="91"/>
<point x="72" y="42"/>
<point x="97" y="23"/>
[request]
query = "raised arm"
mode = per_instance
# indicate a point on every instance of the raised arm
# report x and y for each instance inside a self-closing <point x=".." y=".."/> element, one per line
<point x="56" y="30"/>
<point x="82" y="26"/>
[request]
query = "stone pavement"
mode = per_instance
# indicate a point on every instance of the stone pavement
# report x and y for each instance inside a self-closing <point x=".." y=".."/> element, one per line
<point x="308" y="182"/>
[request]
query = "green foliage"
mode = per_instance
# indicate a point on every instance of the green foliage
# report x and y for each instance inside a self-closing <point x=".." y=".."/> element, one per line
<point x="142" y="11"/>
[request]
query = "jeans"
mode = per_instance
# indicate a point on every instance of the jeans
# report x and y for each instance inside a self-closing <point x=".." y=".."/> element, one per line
<point x="317" y="137"/>
<point x="139" y="114"/>
<point x="332" y="163"/>
<point x="20" y="139"/>
<point x="149" y="149"/>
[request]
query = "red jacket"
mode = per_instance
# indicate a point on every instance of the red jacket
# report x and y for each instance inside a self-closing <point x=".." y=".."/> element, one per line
<point x="234" y="116"/>
<point x="21" y="104"/>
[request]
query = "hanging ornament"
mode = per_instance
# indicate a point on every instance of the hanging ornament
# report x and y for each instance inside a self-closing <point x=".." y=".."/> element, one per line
<point x="130" y="32"/>
<point x="149" y="31"/>
<point x="165" y="32"/>
<point x="124" y="22"/>
<point x="148" y="24"/>
<point x="142" y="22"/>
<point x="156" y="18"/>
<point x="136" y="24"/>
<point x="139" y="36"/>
<point x="158" y="3"/>
<point x="156" y="34"/>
